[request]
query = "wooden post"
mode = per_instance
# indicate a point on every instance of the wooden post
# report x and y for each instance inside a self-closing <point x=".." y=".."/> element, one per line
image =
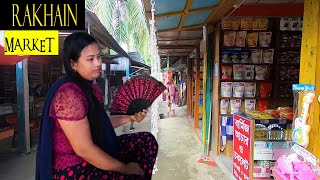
<point x="216" y="94"/>
<point x="23" y="105"/>
<point x="197" y="92"/>
<point x="310" y="65"/>
<point x="189" y="86"/>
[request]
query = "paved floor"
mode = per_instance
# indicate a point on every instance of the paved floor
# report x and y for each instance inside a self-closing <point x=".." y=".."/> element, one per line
<point x="179" y="150"/>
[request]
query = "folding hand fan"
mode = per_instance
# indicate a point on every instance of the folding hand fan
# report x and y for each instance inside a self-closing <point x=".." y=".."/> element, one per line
<point x="136" y="94"/>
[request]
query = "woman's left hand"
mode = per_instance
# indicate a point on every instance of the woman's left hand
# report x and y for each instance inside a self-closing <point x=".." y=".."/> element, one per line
<point x="138" y="117"/>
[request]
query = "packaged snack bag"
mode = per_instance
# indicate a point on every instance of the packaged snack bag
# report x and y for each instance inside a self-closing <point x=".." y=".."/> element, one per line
<point x="263" y="105"/>
<point x="249" y="72"/>
<point x="265" y="39"/>
<point x="255" y="24"/>
<point x="265" y="89"/>
<point x="226" y="72"/>
<point x="246" y="23"/>
<point x="252" y="39"/>
<point x="235" y="55"/>
<point x="245" y="56"/>
<point x="241" y="38"/>
<point x="224" y="106"/>
<point x="256" y="56"/>
<point x="229" y="38"/>
<point x="250" y="105"/>
<point x="235" y="24"/>
<point x="238" y="71"/>
<point x="226" y="89"/>
<point x="250" y="89"/>
<point x="263" y="23"/>
<point x="225" y="56"/>
<point x="267" y="56"/>
<point x="226" y="24"/>
<point x="284" y="24"/>
<point x="261" y="72"/>
<point x="235" y="105"/>
<point x="238" y="89"/>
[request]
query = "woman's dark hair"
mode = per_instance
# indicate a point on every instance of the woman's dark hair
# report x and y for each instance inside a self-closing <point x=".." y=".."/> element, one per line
<point x="72" y="47"/>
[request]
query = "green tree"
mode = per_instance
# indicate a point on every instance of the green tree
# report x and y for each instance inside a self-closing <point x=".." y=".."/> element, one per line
<point x="125" y="21"/>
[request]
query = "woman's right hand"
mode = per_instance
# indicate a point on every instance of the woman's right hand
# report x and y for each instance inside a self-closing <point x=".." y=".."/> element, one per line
<point x="133" y="168"/>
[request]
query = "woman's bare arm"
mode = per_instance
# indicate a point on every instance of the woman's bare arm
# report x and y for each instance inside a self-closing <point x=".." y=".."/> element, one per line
<point x="119" y="120"/>
<point x="79" y="136"/>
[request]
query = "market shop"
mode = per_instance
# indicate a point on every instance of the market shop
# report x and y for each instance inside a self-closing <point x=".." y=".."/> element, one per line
<point x="255" y="51"/>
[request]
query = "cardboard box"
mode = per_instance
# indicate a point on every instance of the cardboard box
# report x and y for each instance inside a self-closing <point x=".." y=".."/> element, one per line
<point x="227" y="150"/>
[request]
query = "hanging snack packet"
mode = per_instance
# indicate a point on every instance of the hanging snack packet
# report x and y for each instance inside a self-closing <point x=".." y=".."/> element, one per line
<point x="265" y="39"/>
<point x="226" y="89"/>
<point x="235" y="55"/>
<point x="224" y="106"/>
<point x="235" y="24"/>
<point x="284" y="24"/>
<point x="226" y="24"/>
<point x="255" y="24"/>
<point x="263" y="24"/>
<point x="267" y="56"/>
<point x="238" y="71"/>
<point x="225" y="56"/>
<point x="245" y="56"/>
<point x="235" y="105"/>
<point x="249" y="105"/>
<point x="252" y="39"/>
<point x="229" y="38"/>
<point x="250" y="89"/>
<point x="241" y="38"/>
<point x="238" y="89"/>
<point x="226" y="72"/>
<point x="246" y="23"/>
<point x="256" y="56"/>
<point x="249" y="72"/>
<point x="265" y="89"/>
<point x="261" y="72"/>
<point x="263" y="105"/>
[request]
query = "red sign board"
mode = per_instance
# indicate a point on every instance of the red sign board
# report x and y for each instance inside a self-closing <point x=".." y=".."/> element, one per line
<point x="242" y="147"/>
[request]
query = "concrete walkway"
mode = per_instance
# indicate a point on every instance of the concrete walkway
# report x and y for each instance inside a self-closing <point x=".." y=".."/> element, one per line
<point x="179" y="150"/>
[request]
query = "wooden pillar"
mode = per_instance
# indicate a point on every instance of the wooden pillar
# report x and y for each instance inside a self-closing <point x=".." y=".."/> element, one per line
<point x="189" y="86"/>
<point x="197" y="92"/>
<point x="310" y="65"/>
<point x="216" y="94"/>
<point x="23" y="105"/>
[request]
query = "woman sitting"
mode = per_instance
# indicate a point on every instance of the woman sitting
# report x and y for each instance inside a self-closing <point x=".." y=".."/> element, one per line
<point x="77" y="138"/>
